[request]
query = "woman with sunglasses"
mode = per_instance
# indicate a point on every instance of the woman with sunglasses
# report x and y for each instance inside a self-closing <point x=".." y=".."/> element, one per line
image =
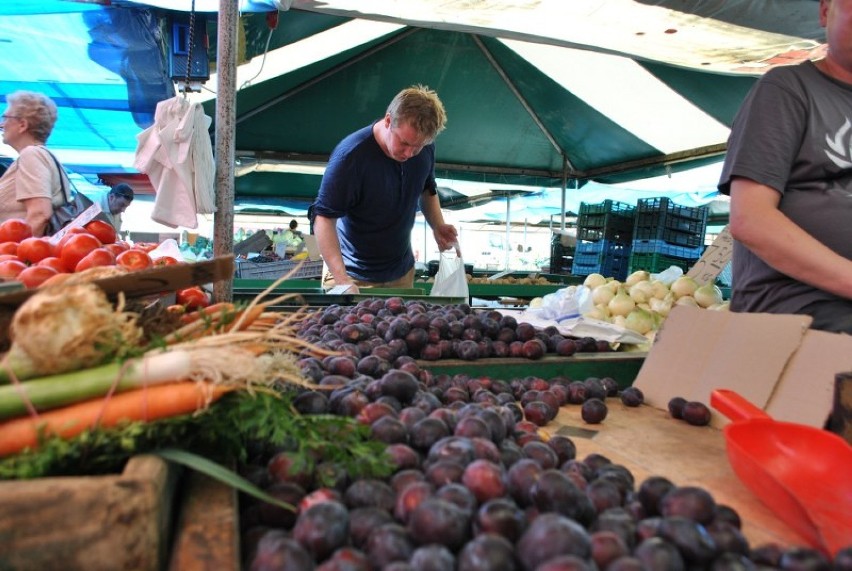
<point x="31" y="186"/>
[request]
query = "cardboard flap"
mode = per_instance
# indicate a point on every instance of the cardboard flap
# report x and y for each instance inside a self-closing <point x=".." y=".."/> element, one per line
<point x="698" y="350"/>
<point x="805" y="393"/>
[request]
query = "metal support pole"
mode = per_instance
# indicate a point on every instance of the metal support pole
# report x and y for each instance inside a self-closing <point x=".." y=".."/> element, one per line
<point x="225" y="141"/>
<point x="508" y="230"/>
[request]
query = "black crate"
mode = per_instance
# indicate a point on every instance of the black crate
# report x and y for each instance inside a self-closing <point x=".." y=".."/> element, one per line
<point x="661" y="219"/>
<point x="608" y="220"/>
<point x="561" y="257"/>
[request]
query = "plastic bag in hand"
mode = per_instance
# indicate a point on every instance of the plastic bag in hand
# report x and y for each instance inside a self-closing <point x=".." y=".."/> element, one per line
<point x="450" y="281"/>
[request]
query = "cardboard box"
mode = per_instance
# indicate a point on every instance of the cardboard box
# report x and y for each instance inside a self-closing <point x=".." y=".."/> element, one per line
<point x="774" y="361"/>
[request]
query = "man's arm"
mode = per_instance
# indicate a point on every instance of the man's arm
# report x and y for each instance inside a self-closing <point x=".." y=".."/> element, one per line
<point x="757" y="223"/>
<point x="445" y="234"/>
<point x="325" y="230"/>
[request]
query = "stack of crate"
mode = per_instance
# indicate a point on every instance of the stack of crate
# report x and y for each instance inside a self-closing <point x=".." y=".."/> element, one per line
<point x="561" y="253"/>
<point x="666" y="234"/>
<point x="604" y="236"/>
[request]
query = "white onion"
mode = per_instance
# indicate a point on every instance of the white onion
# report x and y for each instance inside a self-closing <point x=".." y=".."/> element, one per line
<point x="707" y="295"/>
<point x="641" y="291"/>
<point x="660" y="289"/>
<point x="640" y="321"/>
<point x="594" y="280"/>
<point x="621" y="304"/>
<point x="636" y="277"/>
<point x="682" y="286"/>
<point x="602" y="294"/>
<point x="687" y="300"/>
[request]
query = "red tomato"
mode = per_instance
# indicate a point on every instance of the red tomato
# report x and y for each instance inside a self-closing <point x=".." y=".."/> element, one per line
<point x="34" y="276"/>
<point x="133" y="260"/>
<point x="76" y="248"/>
<point x="69" y="234"/>
<point x="145" y="246"/>
<point x="9" y="248"/>
<point x="165" y="261"/>
<point x="55" y="263"/>
<point x="9" y="269"/>
<point x="34" y="250"/>
<point x="14" y="230"/>
<point x="102" y="230"/>
<point x="95" y="258"/>
<point x="114" y="248"/>
<point x="192" y="297"/>
<point x="4" y="257"/>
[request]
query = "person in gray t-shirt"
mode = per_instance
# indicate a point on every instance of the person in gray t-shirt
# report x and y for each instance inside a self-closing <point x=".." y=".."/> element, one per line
<point x="788" y="171"/>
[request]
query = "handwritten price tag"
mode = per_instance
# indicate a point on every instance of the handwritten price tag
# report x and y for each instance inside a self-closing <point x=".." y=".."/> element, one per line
<point x="714" y="259"/>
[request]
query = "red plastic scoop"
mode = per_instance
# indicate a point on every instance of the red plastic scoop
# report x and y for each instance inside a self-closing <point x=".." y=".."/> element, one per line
<point x="802" y="473"/>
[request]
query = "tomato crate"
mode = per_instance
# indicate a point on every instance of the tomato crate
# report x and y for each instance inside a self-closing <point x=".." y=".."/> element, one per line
<point x="275" y="270"/>
<point x="661" y="219"/>
<point x="608" y="220"/>
<point x="656" y="263"/>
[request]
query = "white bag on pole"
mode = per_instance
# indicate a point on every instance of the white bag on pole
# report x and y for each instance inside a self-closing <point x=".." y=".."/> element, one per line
<point x="450" y="281"/>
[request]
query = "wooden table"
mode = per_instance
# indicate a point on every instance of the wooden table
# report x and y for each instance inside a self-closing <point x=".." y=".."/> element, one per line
<point x="648" y="442"/>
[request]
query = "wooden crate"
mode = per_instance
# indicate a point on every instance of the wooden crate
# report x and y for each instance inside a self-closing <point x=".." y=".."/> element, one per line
<point x="92" y="523"/>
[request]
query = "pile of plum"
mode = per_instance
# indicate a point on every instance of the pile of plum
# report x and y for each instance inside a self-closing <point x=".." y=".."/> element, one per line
<point x="475" y="486"/>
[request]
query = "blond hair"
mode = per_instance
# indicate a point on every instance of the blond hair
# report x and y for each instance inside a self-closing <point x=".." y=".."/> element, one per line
<point x="38" y="109"/>
<point x="419" y="107"/>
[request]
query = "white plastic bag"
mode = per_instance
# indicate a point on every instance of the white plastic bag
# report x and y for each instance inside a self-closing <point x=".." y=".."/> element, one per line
<point x="567" y="303"/>
<point x="450" y="281"/>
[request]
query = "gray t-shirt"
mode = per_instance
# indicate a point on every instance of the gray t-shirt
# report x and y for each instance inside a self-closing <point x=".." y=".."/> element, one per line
<point x="794" y="134"/>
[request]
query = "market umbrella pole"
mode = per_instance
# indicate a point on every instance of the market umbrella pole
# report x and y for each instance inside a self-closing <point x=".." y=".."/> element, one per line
<point x="223" y="220"/>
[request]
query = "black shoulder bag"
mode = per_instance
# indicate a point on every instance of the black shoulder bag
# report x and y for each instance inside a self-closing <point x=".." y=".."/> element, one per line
<point x="65" y="213"/>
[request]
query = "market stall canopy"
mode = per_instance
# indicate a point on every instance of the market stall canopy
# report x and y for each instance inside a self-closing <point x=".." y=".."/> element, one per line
<point x="537" y="92"/>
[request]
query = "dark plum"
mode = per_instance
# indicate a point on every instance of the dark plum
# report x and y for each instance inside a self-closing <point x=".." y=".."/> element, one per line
<point x="346" y="559"/>
<point x="607" y="546"/>
<point x="427" y="432"/>
<point x="566" y="347"/>
<point x="533" y="349"/>
<point x="539" y="412"/>
<point x="485" y="479"/>
<point x="501" y="516"/>
<point x="551" y="535"/>
<point x="525" y="331"/>
<point x="277" y="551"/>
<point x="362" y="521"/>
<point x="439" y="521"/>
<point x="369" y="492"/>
<point x="691" y="502"/>
<point x="651" y="492"/>
<point x="593" y="411"/>
<point x="468" y="350"/>
<point x="690" y="538"/>
<point x="311" y="402"/>
<point x="432" y="558"/>
<point x="410" y="497"/>
<point x="387" y="544"/>
<point x="459" y="495"/>
<point x="595" y="389"/>
<point x="564" y="447"/>
<point x="344" y="366"/>
<point x="472" y="426"/>
<point x="631" y="396"/>
<point x="291" y="467"/>
<point x="400" y="385"/>
<point x="657" y="554"/>
<point x="542" y="453"/>
<point x="487" y="552"/>
<point x="696" y="413"/>
<point x="520" y="477"/>
<point x="322" y="528"/>
<point x="373" y="366"/>
<point x="274" y="515"/>
<point x="675" y="407"/>
<point x="389" y="430"/>
<point x="554" y="491"/>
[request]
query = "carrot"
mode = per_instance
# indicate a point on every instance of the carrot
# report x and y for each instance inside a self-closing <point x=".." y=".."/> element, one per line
<point x="146" y="404"/>
<point x="211" y="311"/>
<point x="246" y="317"/>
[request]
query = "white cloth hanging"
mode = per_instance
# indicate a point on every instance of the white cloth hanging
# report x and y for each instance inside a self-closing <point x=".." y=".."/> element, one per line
<point x="176" y="154"/>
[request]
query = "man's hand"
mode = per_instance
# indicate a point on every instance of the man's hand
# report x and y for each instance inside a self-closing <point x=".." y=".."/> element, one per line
<point x="446" y="237"/>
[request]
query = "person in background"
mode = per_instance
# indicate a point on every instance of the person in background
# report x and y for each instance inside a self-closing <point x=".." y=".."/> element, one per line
<point x="291" y="236"/>
<point x="369" y="195"/>
<point x="788" y="171"/>
<point x="114" y="202"/>
<point x="32" y="185"/>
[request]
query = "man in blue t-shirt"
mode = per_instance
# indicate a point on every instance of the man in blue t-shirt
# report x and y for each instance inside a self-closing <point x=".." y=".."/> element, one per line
<point x="375" y="180"/>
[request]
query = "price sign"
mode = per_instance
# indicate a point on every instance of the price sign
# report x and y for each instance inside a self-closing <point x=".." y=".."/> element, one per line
<point x="714" y="259"/>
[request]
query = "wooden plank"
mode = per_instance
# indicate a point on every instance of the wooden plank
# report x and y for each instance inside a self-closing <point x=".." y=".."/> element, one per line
<point x="91" y="523"/>
<point x="648" y="442"/>
<point x="206" y="535"/>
